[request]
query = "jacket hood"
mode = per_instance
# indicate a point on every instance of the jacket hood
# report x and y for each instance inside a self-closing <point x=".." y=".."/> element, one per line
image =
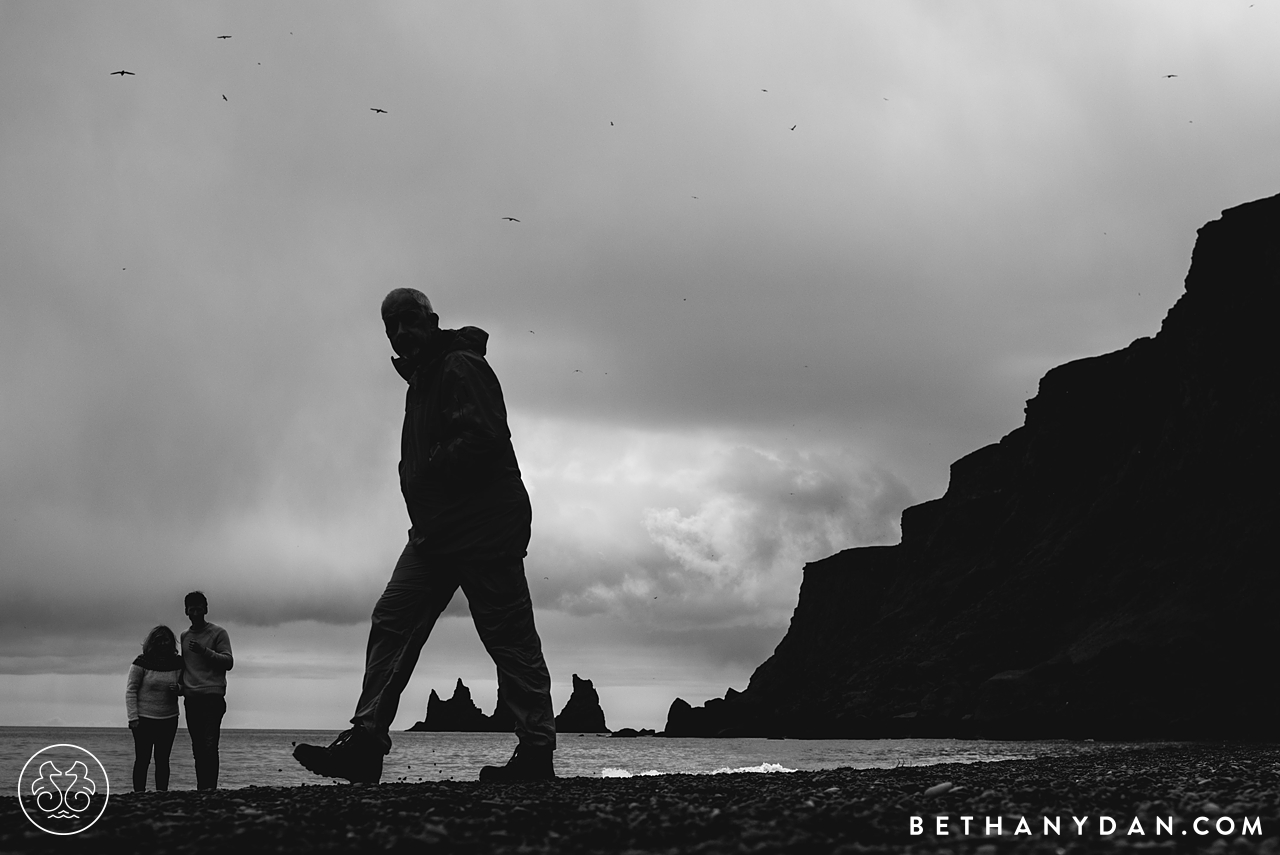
<point x="465" y="338"/>
<point x="446" y="341"/>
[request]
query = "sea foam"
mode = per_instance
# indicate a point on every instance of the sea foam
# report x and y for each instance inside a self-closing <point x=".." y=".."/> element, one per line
<point x="610" y="772"/>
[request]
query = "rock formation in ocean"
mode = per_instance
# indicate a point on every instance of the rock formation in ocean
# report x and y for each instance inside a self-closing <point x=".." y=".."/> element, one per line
<point x="460" y="713"/>
<point x="1105" y="570"/>
<point x="683" y="719"/>
<point x="582" y="713"/>
<point x="502" y="721"/>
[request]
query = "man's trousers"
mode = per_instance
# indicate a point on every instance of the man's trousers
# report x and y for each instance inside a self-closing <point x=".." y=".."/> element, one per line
<point x="498" y="595"/>
<point x="204" y="724"/>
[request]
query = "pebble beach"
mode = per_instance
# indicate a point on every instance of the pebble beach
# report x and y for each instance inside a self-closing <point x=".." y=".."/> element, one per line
<point x="1180" y="798"/>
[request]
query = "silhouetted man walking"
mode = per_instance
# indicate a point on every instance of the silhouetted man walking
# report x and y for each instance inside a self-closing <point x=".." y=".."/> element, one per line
<point x="471" y="516"/>
<point x="206" y="659"/>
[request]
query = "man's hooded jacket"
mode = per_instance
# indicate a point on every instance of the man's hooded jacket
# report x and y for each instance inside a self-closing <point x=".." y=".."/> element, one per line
<point x="458" y="470"/>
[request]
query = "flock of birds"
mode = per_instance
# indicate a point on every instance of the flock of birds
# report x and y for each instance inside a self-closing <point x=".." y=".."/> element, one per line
<point x="123" y="72"/>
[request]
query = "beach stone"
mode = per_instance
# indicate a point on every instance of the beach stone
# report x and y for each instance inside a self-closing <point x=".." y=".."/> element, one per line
<point x="764" y="813"/>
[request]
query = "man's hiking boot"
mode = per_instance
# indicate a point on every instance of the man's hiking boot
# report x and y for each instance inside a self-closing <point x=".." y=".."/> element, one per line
<point x="529" y="763"/>
<point x="355" y="755"/>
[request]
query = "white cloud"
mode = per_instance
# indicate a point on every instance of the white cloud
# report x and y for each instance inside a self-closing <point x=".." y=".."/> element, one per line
<point x="691" y="529"/>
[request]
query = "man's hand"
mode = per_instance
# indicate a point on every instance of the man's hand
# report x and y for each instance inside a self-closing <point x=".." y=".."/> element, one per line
<point x="133" y="723"/>
<point x="197" y="647"/>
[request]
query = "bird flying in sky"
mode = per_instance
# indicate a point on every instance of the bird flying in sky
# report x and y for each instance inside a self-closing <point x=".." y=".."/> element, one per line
<point x="512" y="219"/>
<point x="224" y="97"/>
<point x="1171" y="75"/>
<point x="377" y="109"/>
<point x="793" y="127"/>
<point x="227" y="37"/>
<point x="122" y="71"/>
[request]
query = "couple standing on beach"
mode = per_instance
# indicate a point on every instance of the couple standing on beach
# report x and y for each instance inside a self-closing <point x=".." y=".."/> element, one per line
<point x="159" y="675"/>
<point x="470" y="517"/>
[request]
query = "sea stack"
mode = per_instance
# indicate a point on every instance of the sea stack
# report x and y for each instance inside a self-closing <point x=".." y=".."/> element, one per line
<point x="582" y="714"/>
<point x="459" y="713"/>
<point x="1105" y="570"/>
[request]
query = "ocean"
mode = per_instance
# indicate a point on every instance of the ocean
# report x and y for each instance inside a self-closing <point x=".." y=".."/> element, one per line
<point x="264" y="757"/>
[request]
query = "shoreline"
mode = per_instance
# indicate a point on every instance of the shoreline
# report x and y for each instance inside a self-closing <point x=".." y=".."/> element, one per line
<point x="1166" y="789"/>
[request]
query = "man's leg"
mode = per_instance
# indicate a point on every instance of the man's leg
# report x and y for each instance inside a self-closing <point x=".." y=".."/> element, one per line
<point x="196" y="727"/>
<point x="419" y="590"/>
<point x="404" y="616"/>
<point x="204" y="724"/>
<point x="498" y="595"/>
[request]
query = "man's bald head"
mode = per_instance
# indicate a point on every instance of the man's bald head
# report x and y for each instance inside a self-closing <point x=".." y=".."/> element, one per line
<point x="398" y="296"/>
<point x="409" y="321"/>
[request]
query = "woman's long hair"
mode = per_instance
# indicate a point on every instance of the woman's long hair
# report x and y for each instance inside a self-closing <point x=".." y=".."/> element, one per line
<point x="160" y="640"/>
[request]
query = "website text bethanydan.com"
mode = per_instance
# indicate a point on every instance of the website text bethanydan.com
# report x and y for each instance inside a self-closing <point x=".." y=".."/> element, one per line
<point x="1103" y="826"/>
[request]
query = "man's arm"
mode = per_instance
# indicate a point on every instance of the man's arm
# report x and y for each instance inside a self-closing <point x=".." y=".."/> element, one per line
<point x="220" y="654"/>
<point x="475" y="439"/>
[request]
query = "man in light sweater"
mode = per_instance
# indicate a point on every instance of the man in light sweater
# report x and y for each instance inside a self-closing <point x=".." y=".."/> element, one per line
<point x="206" y="659"/>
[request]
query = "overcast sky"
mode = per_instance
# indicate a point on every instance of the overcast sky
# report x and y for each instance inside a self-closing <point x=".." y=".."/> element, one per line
<point x="776" y="267"/>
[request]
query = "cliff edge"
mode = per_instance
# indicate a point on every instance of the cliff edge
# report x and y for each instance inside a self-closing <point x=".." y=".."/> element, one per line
<point x="1105" y="570"/>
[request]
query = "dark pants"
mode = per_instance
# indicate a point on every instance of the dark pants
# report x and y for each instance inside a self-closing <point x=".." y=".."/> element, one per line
<point x="498" y="594"/>
<point x="204" y="722"/>
<point x="152" y="734"/>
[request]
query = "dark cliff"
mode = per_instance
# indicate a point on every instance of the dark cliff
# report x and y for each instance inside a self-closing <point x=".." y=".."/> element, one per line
<point x="1105" y="570"/>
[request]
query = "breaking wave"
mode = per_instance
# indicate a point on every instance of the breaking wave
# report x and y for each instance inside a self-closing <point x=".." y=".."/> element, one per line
<point x="610" y="772"/>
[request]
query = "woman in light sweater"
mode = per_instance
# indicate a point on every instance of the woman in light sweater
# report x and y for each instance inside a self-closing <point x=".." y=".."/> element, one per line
<point x="151" y="700"/>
